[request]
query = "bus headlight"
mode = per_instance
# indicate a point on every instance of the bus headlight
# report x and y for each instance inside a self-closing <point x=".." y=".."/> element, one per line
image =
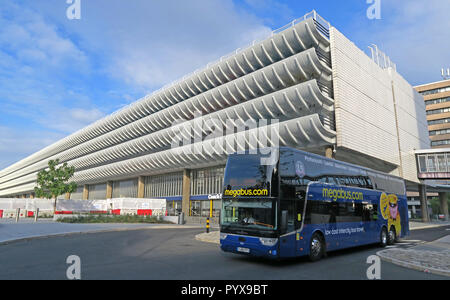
<point x="223" y="236"/>
<point x="268" y="241"/>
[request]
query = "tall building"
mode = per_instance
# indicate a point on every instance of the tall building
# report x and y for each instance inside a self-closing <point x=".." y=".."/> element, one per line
<point x="437" y="101"/>
<point x="328" y="96"/>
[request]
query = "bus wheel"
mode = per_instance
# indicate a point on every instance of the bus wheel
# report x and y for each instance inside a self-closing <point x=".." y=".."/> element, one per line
<point x="317" y="247"/>
<point x="392" y="236"/>
<point x="383" y="237"/>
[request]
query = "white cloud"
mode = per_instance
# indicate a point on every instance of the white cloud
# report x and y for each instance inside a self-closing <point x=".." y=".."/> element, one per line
<point x="139" y="46"/>
<point x="34" y="41"/>
<point x="16" y="144"/>
<point x="151" y="43"/>
<point x="415" y="34"/>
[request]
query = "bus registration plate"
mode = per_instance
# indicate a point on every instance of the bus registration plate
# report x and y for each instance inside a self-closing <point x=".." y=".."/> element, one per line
<point x="243" y="250"/>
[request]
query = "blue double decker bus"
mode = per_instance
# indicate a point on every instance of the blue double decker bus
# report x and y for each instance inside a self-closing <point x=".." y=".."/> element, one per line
<point x="302" y="204"/>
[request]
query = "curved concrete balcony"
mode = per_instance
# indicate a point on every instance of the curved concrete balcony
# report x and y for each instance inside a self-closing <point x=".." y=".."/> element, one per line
<point x="281" y="45"/>
<point x="291" y="71"/>
<point x="305" y="132"/>
<point x="300" y="100"/>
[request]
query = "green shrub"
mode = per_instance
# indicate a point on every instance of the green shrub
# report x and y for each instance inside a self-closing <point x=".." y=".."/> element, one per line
<point x="113" y="219"/>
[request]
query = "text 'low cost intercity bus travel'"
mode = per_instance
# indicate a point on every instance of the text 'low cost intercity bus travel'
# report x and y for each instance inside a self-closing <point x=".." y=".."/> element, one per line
<point x="306" y="205"/>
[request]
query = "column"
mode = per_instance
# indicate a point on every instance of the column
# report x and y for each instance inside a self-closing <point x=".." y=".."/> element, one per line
<point x="141" y="187"/>
<point x="424" y="202"/>
<point x="185" y="204"/>
<point x="444" y="204"/>
<point x="86" y="192"/>
<point x="109" y="189"/>
<point x="67" y="197"/>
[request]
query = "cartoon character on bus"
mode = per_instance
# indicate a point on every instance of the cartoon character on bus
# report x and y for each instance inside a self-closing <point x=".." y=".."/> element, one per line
<point x="390" y="212"/>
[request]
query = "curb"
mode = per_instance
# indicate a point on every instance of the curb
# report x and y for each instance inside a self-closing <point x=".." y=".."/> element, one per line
<point x="428" y="227"/>
<point x="63" y="234"/>
<point x="412" y="265"/>
<point x="202" y="237"/>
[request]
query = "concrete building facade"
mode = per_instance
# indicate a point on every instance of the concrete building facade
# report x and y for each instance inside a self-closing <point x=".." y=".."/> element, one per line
<point x="326" y="95"/>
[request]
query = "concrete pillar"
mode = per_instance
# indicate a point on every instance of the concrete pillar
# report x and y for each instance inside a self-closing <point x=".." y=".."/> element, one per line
<point x="67" y="196"/>
<point x="141" y="187"/>
<point x="109" y="189"/>
<point x="329" y="152"/>
<point x="424" y="202"/>
<point x="86" y="192"/>
<point x="185" y="204"/>
<point x="444" y="204"/>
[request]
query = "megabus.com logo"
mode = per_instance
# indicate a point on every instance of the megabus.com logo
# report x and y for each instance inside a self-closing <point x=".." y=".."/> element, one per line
<point x="340" y="194"/>
<point x="247" y="192"/>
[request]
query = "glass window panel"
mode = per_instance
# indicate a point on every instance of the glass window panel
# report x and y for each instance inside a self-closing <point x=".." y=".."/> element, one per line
<point x="423" y="163"/>
<point x="431" y="163"/>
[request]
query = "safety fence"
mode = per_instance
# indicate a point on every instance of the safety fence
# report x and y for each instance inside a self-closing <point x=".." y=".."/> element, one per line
<point x="23" y="208"/>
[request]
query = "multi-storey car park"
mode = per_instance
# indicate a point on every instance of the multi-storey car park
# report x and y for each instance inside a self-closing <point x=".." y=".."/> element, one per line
<point x="328" y="96"/>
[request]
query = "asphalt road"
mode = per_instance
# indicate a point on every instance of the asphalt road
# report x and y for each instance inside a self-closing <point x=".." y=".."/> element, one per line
<point x="175" y="254"/>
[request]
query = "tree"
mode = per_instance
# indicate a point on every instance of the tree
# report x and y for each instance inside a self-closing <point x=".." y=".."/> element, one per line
<point x="54" y="181"/>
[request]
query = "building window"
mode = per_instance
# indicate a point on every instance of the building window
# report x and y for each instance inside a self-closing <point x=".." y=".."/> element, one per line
<point x="203" y="208"/>
<point x="125" y="189"/>
<point x="174" y="208"/>
<point x="437" y="101"/>
<point x="422" y="163"/>
<point x="78" y="194"/>
<point x="207" y="181"/>
<point x="164" y="185"/>
<point x="438" y="122"/>
<point x="438" y="111"/>
<point x="440" y="143"/>
<point x="97" y="192"/>
<point x="436" y="91"/>
<point x="439" y="132"/>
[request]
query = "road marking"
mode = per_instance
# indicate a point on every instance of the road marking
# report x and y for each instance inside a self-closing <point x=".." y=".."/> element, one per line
<point x="410" y="241"/>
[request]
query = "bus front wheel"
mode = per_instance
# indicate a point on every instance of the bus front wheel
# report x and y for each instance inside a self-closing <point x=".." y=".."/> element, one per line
<point x="316" y="248"/>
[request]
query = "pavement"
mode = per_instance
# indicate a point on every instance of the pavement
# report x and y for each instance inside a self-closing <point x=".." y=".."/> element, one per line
<point x="419" y="225"/>
<point x="10" y="231"/>
<point x="432" y="257"/>
<point x="213" y="237"/>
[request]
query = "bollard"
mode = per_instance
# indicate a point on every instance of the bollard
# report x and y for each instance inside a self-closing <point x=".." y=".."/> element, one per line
<point x="181" y="219"/>
<point x="17" y="215"/>
<point x="36" y="214"/>
<point x="207" y="225"/>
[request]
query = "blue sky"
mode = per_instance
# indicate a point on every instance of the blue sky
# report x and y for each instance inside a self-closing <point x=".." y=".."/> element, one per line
<point x="59" y="75"/>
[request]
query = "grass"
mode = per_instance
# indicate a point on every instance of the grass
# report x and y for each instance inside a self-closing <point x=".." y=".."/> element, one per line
<point x="113" y="219"/>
